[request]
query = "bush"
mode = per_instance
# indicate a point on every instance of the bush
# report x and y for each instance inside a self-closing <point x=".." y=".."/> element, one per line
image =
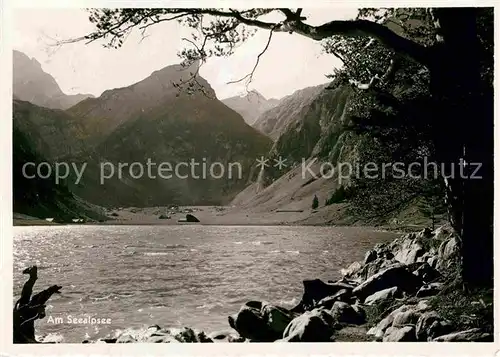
<point x="340" y="195"/>
<point x="315" y="203"/>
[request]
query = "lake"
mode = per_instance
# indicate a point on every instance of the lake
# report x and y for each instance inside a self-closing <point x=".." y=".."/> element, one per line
<point x="175" y="276"/>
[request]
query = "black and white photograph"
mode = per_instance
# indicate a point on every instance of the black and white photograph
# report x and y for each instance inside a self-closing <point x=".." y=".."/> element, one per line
<point x="245" y="175"/>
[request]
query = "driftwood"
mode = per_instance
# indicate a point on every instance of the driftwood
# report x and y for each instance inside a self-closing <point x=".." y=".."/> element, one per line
<point x="30" y="308"/>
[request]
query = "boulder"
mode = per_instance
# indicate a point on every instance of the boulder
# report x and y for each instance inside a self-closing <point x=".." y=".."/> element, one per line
<point x="191" y="218"/>
<point x="448" y="253"/>
<point x="250" y="323"/>
<point x="347" y="314"/>
<point x="408" y="251"/>
<point x="261" y="322"/>
<point x="382" y="295"/>
<point x="442" y="233"/>
<point x="431" y="325"/>
<point x="409" y="317"/>
<point x="378" y="331"/>
<point x="472" y="335"/>
<point x="425" y="233"/>
<point x="225" y="336"/>
<point x="400" y="334"/>
<point x="430" y="289"/>
<point x="370" y="256"/>
<point x="277" y="318"/>
<point x="189" y="335"/>
<point x="402" y="316"/>
<point x="315" y="291"/>
<point x="352" y="270"/>
<point x="152" y="334"/>
<point x="342" y="295"/>
<point x="433" y="261"/>
<point x="373" y="268"/>
<point x="396" y="275"/>
<point x="426" y="273"/>
<point x="125" y="339"/>
<point x="312" y="326"/>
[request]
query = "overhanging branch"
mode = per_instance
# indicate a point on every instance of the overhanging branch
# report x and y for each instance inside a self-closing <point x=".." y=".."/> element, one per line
<point x="375" y="80"/>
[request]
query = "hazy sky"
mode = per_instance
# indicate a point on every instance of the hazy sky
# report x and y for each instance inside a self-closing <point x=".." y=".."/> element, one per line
<point x="291" y="62"/>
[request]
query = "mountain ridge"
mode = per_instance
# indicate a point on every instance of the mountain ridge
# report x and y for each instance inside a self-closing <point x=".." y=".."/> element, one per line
<point x="251" y="105"/>
<point x="31" y="83"/>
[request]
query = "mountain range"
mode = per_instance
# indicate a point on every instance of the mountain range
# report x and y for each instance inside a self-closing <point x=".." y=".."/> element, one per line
<point x="32" y="84"/>
<point x="174" y="116"/>
<point x="251" y="105"/>
<point x="152" y="120"/>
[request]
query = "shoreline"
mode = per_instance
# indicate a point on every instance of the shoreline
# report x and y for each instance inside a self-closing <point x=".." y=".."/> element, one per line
<point x="403" y="290"/>
<point x="224" y="216"/>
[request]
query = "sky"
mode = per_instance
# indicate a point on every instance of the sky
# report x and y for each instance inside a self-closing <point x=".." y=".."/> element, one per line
<point x="291" y="62"/>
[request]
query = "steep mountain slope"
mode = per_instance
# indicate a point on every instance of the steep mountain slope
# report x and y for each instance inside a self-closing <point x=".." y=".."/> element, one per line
<point x="153" y="121"/>
<point x="308" y="131"/>
<point x="183" y="130"/>
<point x="114" y="107"/>
<point x="39" y="197"/>
<point x="54" y="133"/>
<point x="250" y="106"/>
<point x="34" y="85"/>
<point x="290" y="109"/>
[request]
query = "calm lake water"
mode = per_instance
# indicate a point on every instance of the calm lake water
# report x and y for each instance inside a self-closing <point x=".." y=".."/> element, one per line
<point x="176" y="276"/>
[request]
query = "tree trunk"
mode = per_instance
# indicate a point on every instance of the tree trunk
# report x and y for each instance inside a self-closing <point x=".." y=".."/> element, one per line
<point x="464" y="109"/>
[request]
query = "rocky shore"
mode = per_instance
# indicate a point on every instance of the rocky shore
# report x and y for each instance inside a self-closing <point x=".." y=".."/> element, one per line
<point x="405" y="290"/>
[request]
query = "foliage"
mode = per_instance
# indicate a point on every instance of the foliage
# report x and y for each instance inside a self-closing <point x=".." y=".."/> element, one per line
<point x="315" y="202"/>
<point x="340" y="195"/>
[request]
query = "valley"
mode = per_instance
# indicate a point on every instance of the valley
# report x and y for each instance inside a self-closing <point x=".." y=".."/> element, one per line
<point x="115" y="137"/>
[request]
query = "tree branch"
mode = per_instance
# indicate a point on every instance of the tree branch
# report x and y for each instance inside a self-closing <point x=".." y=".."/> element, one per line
<point x="293" y="23"/>
<point x="375" y="80"/>
<point x="365" y="28"/>
<point x="250" y="75"/>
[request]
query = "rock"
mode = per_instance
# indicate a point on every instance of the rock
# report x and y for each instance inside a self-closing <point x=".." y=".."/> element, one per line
<point x="404" y="318"/>
<point x="125" y="339"/>
<point x="448" y="253"/>
<point x="422" y="305"/>
<point x="189" y="335"/>
<point x="442" y="233"/>
<point x="312" y="326"/>
<point x="342" y="295"/>
<point x="408" y="251"/>
<point x="433" y="261"/>
<point x="472" y="335"/>
<point x="345" y="313"/>
<point x="225" y="336"/>
<point x="430" y="289"/>
<point x="426" y="233"/>
<point x="261" y="322"/>
<point x="352" y="270"/>
<point x="250" y="323"/>
<point x="191" y="218"/>
<point x="155" y="334"/>
<point x="378" y="330"/>
<point x="382" y="295"/>
<point x="430" y="325"/>
<point x="277" y="318"/>
<point x="396" y="275"/>
<point x="316" y="290"/>
<point x="103" y="340"/>
<point x="375" y="267"/>
<point x="360" y="311"/>
<point x="402" y="334"/>
<point x="370" y="256"/>
<point x="426" y="273"/>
